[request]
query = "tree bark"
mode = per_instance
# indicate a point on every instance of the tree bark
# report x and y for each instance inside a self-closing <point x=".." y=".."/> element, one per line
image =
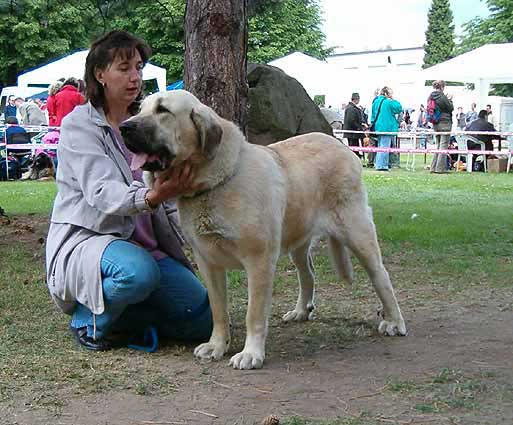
<point x="216" y="38"/>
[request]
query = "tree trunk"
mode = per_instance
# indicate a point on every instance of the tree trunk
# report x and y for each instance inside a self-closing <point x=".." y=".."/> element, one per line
<point x="215" y="56"/>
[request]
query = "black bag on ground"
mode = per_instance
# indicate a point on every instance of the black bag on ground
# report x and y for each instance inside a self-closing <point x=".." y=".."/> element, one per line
<point x="478" y="166"/>
<point x="13" y="166"/>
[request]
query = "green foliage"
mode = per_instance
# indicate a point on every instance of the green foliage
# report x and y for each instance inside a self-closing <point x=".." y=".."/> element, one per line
<point x="34" y="32"/>
<point x="161" y="24"/>
<point x="440" y="33"/>
<point x="37" y="31"/>
<point x="284" y="27"/>
<point x="496" y="28"/>
<point x="320" y="99"/>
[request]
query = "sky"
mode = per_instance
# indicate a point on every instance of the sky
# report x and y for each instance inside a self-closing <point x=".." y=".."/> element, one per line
<point x="374" y="24"/>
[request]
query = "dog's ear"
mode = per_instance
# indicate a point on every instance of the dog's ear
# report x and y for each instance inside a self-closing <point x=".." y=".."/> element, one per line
<point x="209" y="130"/>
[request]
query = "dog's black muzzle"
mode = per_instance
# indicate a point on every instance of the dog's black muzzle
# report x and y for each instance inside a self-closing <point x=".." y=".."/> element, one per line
<point x="138" y="139"/>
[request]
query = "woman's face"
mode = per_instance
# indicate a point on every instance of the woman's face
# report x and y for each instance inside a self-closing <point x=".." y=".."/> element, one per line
<point x="122" y="80"/>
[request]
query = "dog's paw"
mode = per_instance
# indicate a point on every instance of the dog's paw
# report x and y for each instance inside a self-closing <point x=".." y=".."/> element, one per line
<point x="299" y="314"/>
<point x="392" y="328"/>
<point x="248" y="360"/>
<point x="210" y="351"/>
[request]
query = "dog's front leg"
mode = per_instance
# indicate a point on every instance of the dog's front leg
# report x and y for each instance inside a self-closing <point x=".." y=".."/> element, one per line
<point x="219" y="343"/>
<point x="260" y="282"/>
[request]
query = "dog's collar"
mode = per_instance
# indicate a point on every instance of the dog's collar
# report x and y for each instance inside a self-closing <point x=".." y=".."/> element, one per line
<point x="221" y="183"/>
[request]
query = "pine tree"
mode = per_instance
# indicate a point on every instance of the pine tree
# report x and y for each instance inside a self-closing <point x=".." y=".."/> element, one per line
<point x="440" y="34"/>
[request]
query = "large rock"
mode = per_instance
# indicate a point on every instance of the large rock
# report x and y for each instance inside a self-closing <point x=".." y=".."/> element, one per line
<point x="279" y="107"/>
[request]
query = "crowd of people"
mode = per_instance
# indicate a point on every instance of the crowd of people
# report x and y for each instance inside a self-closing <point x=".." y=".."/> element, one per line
<point x="388" y="115"/>
<point x="63" y="96"/>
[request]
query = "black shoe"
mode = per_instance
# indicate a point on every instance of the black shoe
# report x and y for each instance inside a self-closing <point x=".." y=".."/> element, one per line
<point x="89" y="343"/>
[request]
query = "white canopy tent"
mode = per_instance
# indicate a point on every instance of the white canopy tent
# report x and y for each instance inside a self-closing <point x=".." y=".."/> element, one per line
<point x="313" y="74"/>
<point x="488" y="64"/>
<point x="73" y="66"/>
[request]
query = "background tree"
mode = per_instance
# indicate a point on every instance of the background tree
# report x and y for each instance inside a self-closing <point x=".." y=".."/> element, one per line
<point x="286" y="26"/>
<point x="216" y="40"/>
<point x="440" y="33"/>
<point x="161" y="24"/>
<point x="496" y="28"/>
<point x="34" y="32"/>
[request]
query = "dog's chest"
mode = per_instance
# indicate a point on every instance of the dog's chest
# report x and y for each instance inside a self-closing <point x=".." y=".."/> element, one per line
<point x="202" y="219"/>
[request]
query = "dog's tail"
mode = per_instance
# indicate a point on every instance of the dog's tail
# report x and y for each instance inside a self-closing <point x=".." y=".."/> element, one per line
<point x="341" y="259"/>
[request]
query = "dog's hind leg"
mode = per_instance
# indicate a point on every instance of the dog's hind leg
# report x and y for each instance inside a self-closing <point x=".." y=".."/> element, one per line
<point x="362" y="240"/>
<point x="215" y="278"/>
<point x="341" y="258"/>
<point x="305" y="273"/>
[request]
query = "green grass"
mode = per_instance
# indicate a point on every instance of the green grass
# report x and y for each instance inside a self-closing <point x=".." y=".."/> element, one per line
<point x="460" y="241"/>
<point x="27" y="197"/>
<point x="449" y="390"/>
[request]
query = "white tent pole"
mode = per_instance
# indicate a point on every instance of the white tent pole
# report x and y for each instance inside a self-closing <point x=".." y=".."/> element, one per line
<point x="482" y="88"/>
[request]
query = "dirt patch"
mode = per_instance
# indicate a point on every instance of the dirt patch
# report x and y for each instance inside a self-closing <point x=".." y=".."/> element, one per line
<point x="455" y="366"/>
<point x="326" y="383"/>
<point x="30" y="229"/>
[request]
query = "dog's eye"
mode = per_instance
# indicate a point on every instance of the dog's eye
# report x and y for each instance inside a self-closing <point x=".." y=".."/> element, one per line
<point x="162" y="109"/>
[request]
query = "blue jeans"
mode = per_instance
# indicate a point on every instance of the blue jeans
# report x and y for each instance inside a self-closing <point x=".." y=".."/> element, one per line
<point x="384" y="141"/>
<point x="139" y="291"/>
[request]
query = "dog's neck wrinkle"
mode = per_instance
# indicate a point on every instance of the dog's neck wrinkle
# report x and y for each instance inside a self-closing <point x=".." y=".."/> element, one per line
<point x="224" y="165"/>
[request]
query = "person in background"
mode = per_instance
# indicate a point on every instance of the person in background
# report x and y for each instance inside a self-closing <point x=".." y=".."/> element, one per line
<point x="10" y="108"/>
<point x="13" y="127"/>
<point x="482" y="124"/>
<point x="384" y="116"/>
<point x="353" y="120"/>
<point x="440" y="162"/>
<point x="30" y="113"/>
<point x="371" y="140"/>
<point x="460" y="119"/>
<point x="490" y="116"/>
<point x="50" y="102"/>
<point x="421" y="119"/>
<point x="471" y="115"/>
<point x="66" y="99"/>
<point x="40" y="103"/>
<point x="114" y="259"/>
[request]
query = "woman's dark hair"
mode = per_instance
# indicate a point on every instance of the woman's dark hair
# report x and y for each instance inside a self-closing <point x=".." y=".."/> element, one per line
<point x="102" y="53"/>
<point x="11" y="120"/>
<point x="482" y="113"/>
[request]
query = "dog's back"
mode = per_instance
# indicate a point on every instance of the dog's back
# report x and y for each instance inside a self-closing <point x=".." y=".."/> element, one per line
<point x="323" y="177"/>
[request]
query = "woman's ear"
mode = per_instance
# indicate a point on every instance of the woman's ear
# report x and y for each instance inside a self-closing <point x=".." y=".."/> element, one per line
<point x="98" y="74"/>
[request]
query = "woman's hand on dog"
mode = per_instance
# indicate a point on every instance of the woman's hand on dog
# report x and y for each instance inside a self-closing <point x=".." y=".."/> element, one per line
<point x="171" y="184"/>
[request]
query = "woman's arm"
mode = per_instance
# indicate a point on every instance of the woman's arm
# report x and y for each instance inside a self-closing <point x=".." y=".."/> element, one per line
<point x="101" y="181"/>
<point x="395" y="106"/>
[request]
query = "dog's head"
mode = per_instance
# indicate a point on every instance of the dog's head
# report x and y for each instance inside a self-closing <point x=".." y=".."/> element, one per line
<point x="42" y="161"/>
<point x="171" y="127"/>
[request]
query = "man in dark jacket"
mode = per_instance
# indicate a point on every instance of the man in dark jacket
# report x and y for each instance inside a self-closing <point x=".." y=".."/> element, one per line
<point x="445" y="106"/>
<point x="481" y="124"/>
<point x="10" y="108"/>
<point x="353" y="120"/>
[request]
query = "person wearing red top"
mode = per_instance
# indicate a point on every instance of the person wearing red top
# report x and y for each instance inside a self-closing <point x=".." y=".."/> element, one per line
<point x="66" y="99"/>
<point x="50" y="102"/>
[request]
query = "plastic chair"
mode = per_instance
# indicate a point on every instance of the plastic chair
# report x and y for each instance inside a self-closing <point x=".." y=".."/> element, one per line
<point x="462" y="140"/>
<point x="23" y="156"/>
<point x="510" y="147"/>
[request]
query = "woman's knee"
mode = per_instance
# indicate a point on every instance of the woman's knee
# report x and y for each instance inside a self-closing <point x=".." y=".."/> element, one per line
<point x="130" y="274"/>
